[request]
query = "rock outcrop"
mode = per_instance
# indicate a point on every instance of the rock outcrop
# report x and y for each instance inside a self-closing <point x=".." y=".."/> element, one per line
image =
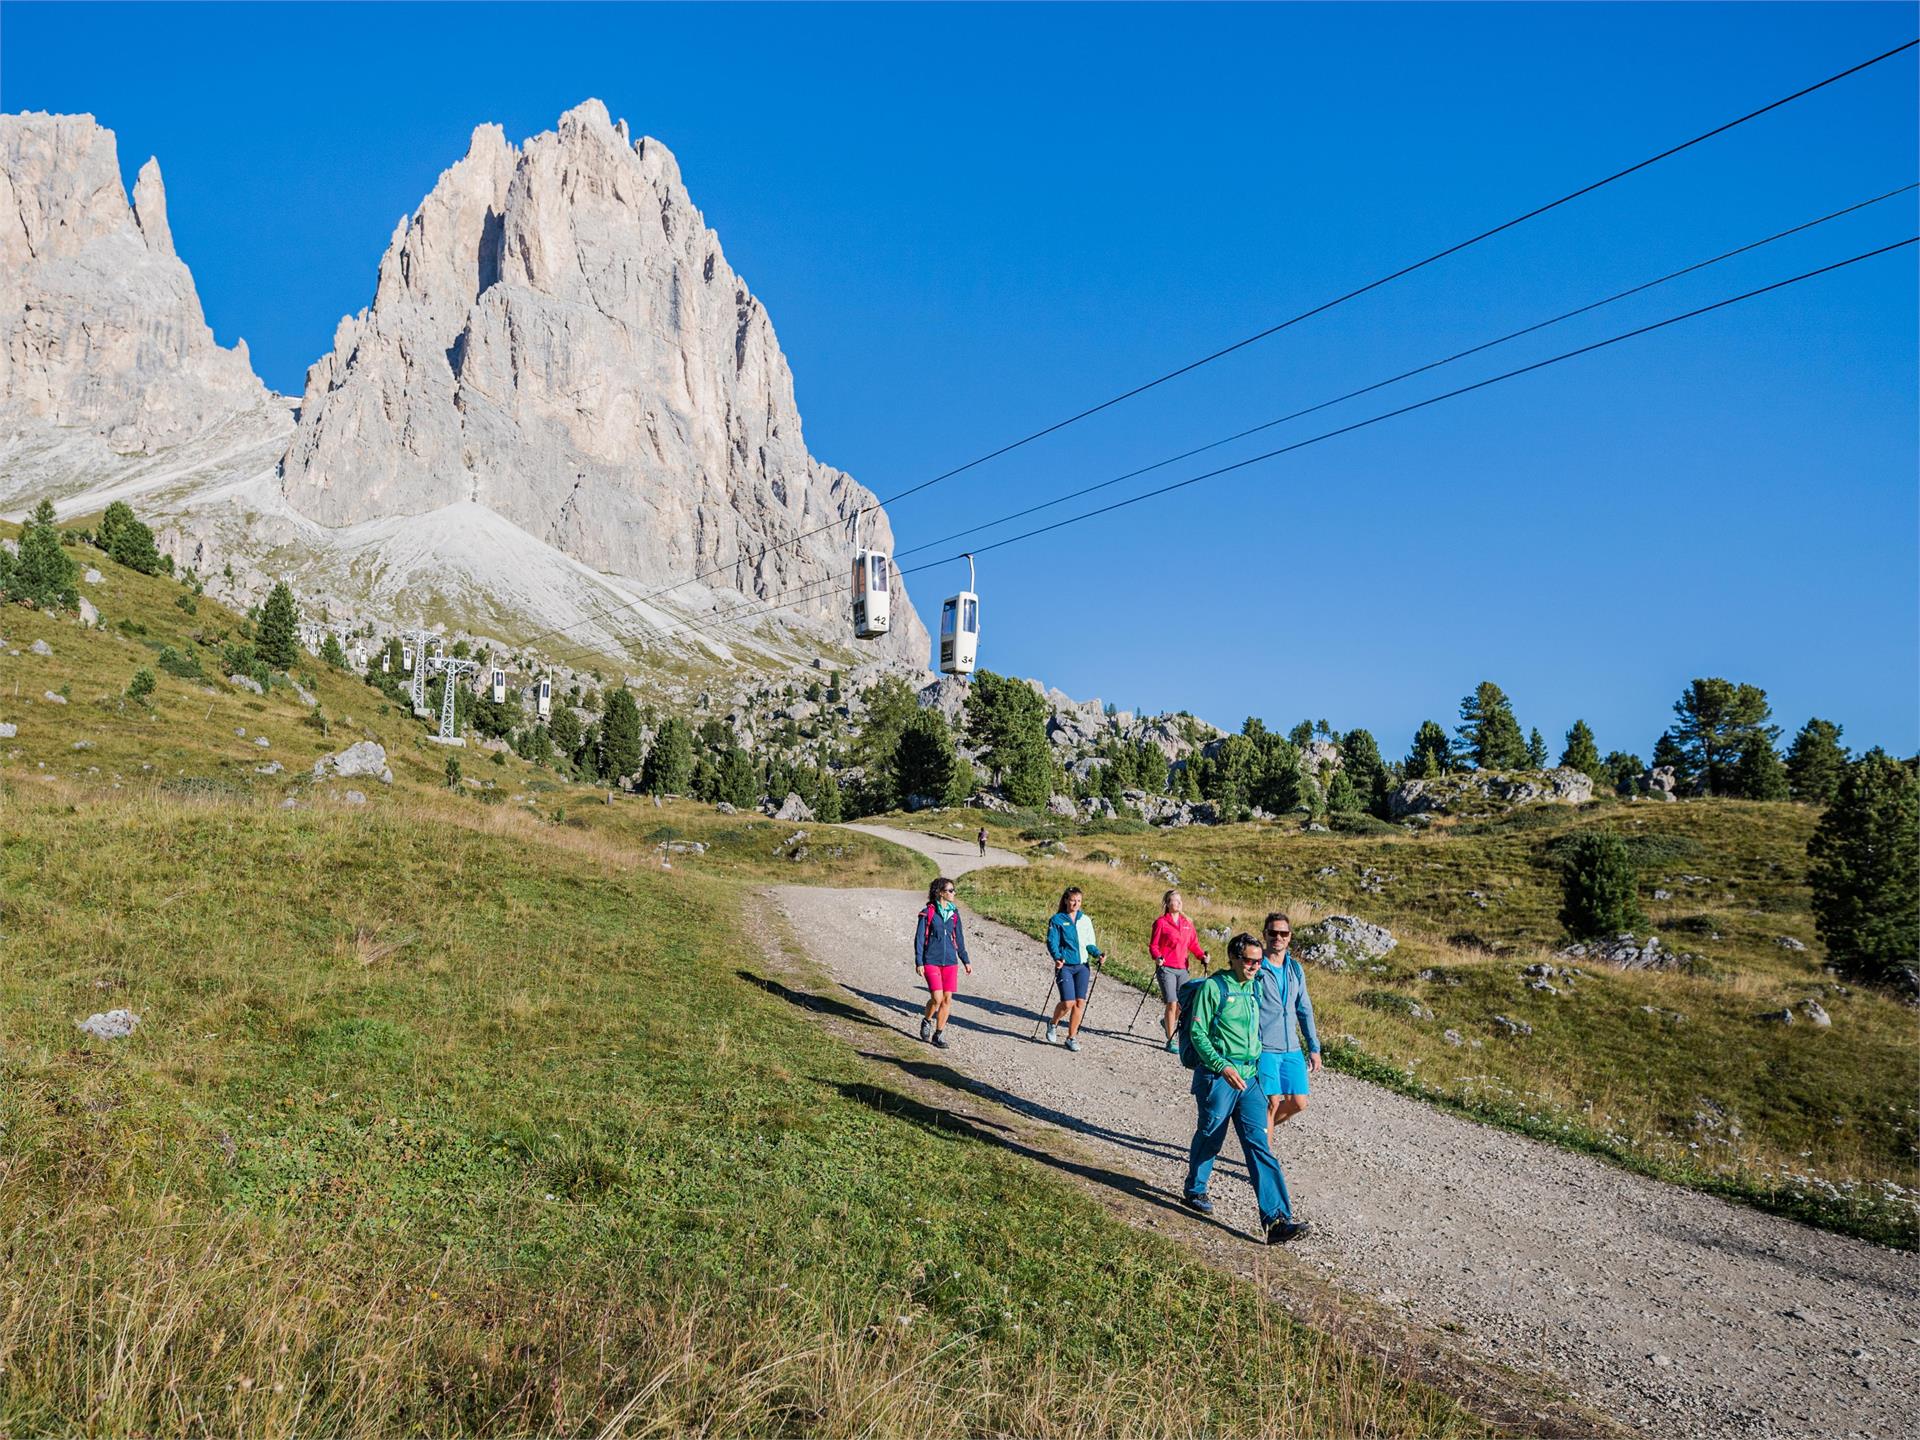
<point x="556" y="336"/>
<point x="1480" y="792"/>
<point x="105" y="355"/>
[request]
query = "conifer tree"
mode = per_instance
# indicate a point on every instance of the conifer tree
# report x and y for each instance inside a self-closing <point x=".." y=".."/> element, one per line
<point x="44" y="574"/>
<point x="619" y="748"/>
<point x="1624" y="771"/>
<point x="1342" y="797"/>
<point x="331" y="652"/>
<point x="1583" y="754"/>
<point x="1431" y="754"/>
<point x="1600" y="886"/>
<point x="1816" y="762"/>
<point x="1718" y="721"/>
<point x="1758" y="773"/>
<point x="1007" y="720"/>
<point x="1490" y="737"/>
<point x="669" y="767"/>
<point x="118" y="514"/>
<point x="738" y="779"/>
<point x="1865" y="870"/>
<point x="563" y="729"/>
<point x="924" y="760"/>
<point x="1360" y="758"/>
<point x="278" y="623"/>
<point x="132" y="546"/>
<point x="1536" y="749"/>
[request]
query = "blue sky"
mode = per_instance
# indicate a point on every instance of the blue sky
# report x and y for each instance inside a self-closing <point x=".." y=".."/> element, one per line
<point x="968" y="222"/>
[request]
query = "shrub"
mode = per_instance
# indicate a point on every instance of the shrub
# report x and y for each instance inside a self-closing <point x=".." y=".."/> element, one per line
<point x="453" y="772"/>
<point x="141" y="686"/>
<point x="1600" y="891"/>
<point x="174" y="662"/>
<point x="187" y="603"/>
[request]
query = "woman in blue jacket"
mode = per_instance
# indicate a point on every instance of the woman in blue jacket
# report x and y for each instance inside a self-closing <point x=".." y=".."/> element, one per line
<point x="1070" y="941"/>
<point x="939" y="955"/>
<point x="1284" y="1062"/>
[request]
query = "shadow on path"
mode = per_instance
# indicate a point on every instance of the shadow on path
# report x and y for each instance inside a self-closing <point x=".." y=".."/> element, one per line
<point x="818" y="1004"/>
<point x="945" y="1122"/>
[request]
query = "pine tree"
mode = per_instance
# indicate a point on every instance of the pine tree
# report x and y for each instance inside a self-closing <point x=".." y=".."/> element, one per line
<point x="737" y="779"/>
<point x="1623" y="771"/>
<point x="924" y="760"/>
<point x="132" y="546"/>
<point x="1342" y="797"/>
<point x="1816" y="763"/>
<point x="1360" y="758"/>
<point x="1758" y="773"/>
<point x="619" y="748"/>
<point x="331" y="652"/>
<point x="1007" y="720"/>
<point x="278" y="623"/>
<point x="669" y="767"/>
<point x="117" y="515"/>
<point x="1536" y="749"/>
<point x="1600" y="886"/>
<point x="1865" y="870"/>
<point x="1583" y="754"/>
<point x="1717" y="722"/>
<point x="1490" y="737"/>
<point x="563" y="729"/>
<point x="1431" y="754"/>
<point x="44" y="574"/>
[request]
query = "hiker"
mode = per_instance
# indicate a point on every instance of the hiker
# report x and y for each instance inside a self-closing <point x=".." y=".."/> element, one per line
<point x="1172" y="942"/>
<point x="939" y="955"/>
<point x="1070" y="941"/>
<point x="1222" y="1033"/>
<point x="1284" y="1063"/>
<point x="982" y="837"/>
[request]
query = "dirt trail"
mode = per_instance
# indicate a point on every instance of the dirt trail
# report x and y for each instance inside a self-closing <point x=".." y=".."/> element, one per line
<point x="1672" y="1311"/>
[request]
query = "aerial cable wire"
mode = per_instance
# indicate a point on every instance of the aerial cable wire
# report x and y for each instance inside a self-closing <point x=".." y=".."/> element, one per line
<point x="817" y="589"/>
<point x="1268" y="332"/>
<point x="1384" y="416"/>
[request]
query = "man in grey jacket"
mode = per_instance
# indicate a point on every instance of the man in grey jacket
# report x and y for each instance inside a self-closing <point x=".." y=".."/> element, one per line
<point x="1284" y="1062"/>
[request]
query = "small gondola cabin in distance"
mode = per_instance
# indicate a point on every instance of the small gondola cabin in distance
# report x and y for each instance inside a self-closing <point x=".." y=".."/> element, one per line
<point x="960" y="629"/>
<point x="872" y="593"/>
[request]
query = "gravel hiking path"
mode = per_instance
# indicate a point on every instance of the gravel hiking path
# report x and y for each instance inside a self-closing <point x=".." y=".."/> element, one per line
<point x="1671" y="1311"/>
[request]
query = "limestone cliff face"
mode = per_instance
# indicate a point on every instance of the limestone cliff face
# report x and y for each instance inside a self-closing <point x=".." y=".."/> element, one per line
<point x="556" y="335"/>
<point x="101" y="332"/>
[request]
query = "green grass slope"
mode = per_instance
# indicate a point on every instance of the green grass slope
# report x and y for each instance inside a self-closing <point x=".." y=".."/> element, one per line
<point x="1673" y="1073"/>
<point x="449" y="1116"/>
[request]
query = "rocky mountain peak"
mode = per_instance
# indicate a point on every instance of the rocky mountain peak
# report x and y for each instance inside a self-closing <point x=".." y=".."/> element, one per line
<point x="104" y="350"/>
<point x="556" y="336"/>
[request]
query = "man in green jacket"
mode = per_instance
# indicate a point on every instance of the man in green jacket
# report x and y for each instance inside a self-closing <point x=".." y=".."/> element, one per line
<point x="1225" y="1029"/>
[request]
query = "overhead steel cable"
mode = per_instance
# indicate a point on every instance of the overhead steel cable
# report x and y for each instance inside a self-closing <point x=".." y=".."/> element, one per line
<point x="1372" y="420"/>
<point x="1257" y="336"/>
<point x="817" y="589"/>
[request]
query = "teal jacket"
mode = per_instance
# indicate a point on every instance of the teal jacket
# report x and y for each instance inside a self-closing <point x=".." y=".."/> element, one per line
<point x="1070" y="939"/>
<point x="1283" y="1000"/>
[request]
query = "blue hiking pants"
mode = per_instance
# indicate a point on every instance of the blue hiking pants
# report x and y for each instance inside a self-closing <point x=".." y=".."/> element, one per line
<point x="1219" y="1102"/>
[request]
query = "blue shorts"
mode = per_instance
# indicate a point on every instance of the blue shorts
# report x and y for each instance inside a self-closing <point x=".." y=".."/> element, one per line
<point x="1283" y="1072"/>
<point x="1075" y="981"/>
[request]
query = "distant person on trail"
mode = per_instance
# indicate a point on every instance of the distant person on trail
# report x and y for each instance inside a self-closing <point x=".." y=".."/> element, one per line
<point x="1070" y="941"/>
<point x="983" y="842"/>
<point x="1224" y="1034"/>
<point x="1284" y="1063"/>
<point x="1172" y="942"/>
<point x="939" y="955"/>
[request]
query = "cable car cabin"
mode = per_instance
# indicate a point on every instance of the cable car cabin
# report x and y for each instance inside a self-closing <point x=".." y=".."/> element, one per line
<point x="406" y="658"/>
<point x="872" y="593"/>
<point x="499" y="686"/>
<point x="959" y="633"/>
<point x="543" y="699"/>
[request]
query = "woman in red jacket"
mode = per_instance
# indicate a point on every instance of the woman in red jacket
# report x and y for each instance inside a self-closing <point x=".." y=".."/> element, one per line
<point x="1173" y="941"/>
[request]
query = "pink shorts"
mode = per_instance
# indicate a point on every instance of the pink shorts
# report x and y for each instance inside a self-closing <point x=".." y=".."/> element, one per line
<point x="943" y="977"/>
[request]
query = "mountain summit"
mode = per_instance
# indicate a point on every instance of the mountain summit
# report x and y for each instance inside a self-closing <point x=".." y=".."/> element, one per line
<point x="556" y="336"/>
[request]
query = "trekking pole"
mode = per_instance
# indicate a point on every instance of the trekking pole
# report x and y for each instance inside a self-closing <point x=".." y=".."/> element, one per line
<point x="1042" y="1017"/>
<point x="1141" y="1007"/>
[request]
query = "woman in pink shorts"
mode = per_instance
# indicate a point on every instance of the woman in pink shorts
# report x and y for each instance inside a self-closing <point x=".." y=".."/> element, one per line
<point x="939" y="954"/>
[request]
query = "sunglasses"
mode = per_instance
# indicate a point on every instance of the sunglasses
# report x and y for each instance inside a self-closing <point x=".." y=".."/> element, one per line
<point x="1279" y="934"/>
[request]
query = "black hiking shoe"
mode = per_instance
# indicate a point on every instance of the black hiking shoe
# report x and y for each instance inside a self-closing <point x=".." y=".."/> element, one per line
<point x="1199" y="1204"/>
<point x="1281" y="1231"/>
<point x="926" y="1029"/>
<point x="939" y="1039"/>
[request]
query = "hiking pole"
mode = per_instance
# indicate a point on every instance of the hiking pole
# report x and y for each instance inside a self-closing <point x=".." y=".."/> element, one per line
<point x="1138" y="1009"/>
<point x="1042" y="1017"/>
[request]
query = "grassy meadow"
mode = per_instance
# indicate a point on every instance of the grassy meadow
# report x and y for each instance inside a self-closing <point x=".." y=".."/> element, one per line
<point x="1672" y="1073"/>
<point x="476" y="1111"/>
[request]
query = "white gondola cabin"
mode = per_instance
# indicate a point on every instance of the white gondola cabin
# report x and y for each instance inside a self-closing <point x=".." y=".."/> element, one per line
<point x="406" y="658"/>
<point x="543" y="698"/>
<point x="498" y="688"/>
<point x="960" y="629"/>
<point x="872" y="593"/>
